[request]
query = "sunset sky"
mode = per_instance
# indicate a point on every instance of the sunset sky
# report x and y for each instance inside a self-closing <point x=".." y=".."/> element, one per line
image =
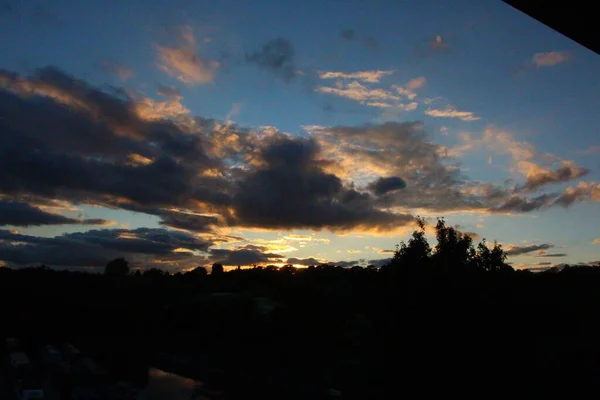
<point x="182" y="133"/>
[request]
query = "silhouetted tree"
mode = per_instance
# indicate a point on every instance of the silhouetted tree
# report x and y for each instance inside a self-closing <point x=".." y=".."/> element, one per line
<point x="197" y="272"/>
<point x="454" y="250"/>
<point x="491" y="259"/>
<point x="154" y="273"/>
<point x="417" y="251"/>
<point x="217" y="269"/>
<point x="117" y="267"/>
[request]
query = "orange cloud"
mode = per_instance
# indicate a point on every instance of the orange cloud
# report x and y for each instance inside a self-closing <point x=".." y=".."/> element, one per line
<point x="452" y="112"/>
<point x="550" y="58"/>
<point x="364" y="76"/>
<point x="183" y="62"/>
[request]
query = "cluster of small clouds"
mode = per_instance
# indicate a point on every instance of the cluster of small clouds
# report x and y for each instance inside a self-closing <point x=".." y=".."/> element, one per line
<point x="358" y="86"/>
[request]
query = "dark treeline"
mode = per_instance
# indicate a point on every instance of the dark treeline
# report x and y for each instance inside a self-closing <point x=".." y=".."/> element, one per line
<point x="453" y="319"/>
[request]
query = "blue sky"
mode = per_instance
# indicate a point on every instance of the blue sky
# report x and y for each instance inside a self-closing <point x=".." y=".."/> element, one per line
<point x="497" y="93"/>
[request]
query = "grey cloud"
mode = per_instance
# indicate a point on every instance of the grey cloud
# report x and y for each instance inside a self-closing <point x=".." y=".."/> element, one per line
<point x="23" y="214"/>
<point x="242" y="257"/>
<point x="566" y="172"/>
<point x="86" y="157"/>
<point x="524" y="204"/>
<point x="96" y="247"/>
<point x="291" y="191"/>
<point x="388" y="251"/>
<point x="583" y="191"/>
<point x="517" y="250"/>
<point x="385" y="185"/>
<point x="403" y="150"/>
<point x="473" y="235"/>
<point x="380" y="262"/>
<point x="303" y="261"/>
<point x="276" y="56"/>
<point x="190" y="222"/>
<point x="552" y="255"/>
<point x="346" y="264"/>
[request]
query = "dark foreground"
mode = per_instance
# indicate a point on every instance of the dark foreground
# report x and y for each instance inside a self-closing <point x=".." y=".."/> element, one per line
<point x="286" y="334"/>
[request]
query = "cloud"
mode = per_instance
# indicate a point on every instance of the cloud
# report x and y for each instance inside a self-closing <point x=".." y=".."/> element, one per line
<point x="527" y="160"/>
<point x="583" y="191"/>
<point x="591" y="151"/>
<point x="409" y="88"/>
<point x="542" y="253"/>
<point x="289" y="190"/>
<point x="381" y="251"/>
<point x="303" y="261"/>
<point x="96" y="247"/>
<point x="538" y="176"/>
<point x="95" y="137"/>
<point x="118" y="149"/>
<point x="23" y="214"/>
<point x="242" y="257"/>
<point x="380" y="262"/>
<point x="183" y="61"/>
<point x="373" y="76"/>
<point x="188" y="221"/>
<point x="121" y="72"/>
<point x="356" y="91"/>
<point x="550" y="58"/>
<point x="515" y="250"/>
<point x="276" y="56"/>
<point x="385" y="185"/>
<point x="306" y="238"/>
<point x="392" y="149"/>
<point x="452" y="112"/>
<point x="473" y="235"/>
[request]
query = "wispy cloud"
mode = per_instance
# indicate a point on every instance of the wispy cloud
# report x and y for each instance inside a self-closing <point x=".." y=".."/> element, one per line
<point x="357" y="91"/>
<point x="550" y="58"/>
<point x="452" y="112"/>
<point x="590" y="151"/>
<point x="373" y="76"/>
<point x="183" y="61"/>
<point x="515" y="250"/>
<point x="408" y="90"/>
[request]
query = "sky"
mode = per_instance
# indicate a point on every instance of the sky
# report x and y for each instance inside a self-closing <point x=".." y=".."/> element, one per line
<point x="183" y="133"/>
